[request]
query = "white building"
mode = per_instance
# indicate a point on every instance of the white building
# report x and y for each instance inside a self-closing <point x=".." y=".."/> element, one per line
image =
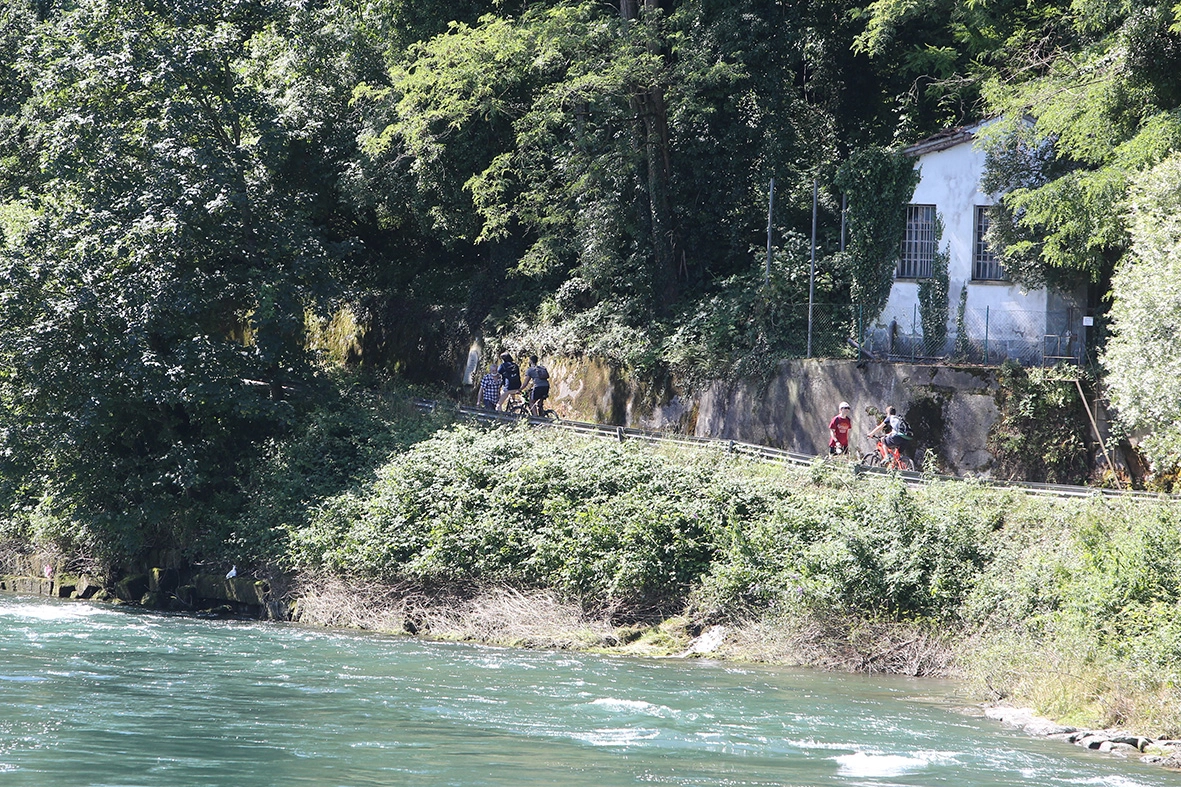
<point x="1000" y="320"/>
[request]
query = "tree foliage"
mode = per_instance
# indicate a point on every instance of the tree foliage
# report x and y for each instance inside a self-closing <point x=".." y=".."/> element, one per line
<point x="1143" y="356"/>
<point x="153" y="305"/>
<point x="878" y="184"/>
<point x="1084" y="116"/>
<point x="183" y="187"/>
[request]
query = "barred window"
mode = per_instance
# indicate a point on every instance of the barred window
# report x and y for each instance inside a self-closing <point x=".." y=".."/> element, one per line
<point x="918" y="246"/>
<point x="985" y="266"/>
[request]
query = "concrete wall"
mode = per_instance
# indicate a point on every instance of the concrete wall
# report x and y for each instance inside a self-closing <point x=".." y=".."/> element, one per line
<point x="951" y="409"/>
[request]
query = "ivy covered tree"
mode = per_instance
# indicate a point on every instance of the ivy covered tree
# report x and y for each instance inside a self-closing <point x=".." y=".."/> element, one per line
<point x="877" y="183"/>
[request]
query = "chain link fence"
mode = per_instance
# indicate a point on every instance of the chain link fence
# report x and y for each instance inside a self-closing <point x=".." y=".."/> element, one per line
<point x="978" y="335"/>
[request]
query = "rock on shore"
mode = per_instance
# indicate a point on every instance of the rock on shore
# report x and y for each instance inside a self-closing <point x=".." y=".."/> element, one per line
<point x="1121" y="743"/>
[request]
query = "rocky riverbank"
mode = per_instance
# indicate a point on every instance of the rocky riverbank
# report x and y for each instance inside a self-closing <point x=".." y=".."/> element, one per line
<point x="1119" y="743"/>
<point x="191" y="590"/>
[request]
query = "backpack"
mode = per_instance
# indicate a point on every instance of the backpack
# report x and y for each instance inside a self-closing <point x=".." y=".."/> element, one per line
<point x="511" y="374"/>
<point x="902" y="427"/>
<point x="542" y="373"/>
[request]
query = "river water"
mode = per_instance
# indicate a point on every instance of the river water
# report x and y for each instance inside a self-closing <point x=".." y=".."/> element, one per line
<point x="98" y="695"/>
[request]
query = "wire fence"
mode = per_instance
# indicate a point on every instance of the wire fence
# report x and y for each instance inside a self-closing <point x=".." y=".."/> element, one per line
<point x="978" y="335"/>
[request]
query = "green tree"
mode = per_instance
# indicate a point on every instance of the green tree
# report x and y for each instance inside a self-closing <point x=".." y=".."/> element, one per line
<point x="1143" y="356"/>
<point x="153" y="309"/>
<point x="1089" y="105"/>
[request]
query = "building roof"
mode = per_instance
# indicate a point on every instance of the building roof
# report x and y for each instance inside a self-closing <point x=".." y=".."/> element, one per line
<point x="948" y="138"/>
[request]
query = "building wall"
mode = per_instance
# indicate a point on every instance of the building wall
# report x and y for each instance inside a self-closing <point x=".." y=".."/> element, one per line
<point x="951" y="182"/>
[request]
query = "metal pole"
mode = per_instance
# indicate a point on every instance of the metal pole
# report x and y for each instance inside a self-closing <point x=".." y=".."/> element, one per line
<point x="986" y="335"/>
<point x="844" y="209"/>
<point x="770" y="212"/>
<point x="1098" y="436"/>
<point x="914" y="329"/>
<point x="812" y="265"/>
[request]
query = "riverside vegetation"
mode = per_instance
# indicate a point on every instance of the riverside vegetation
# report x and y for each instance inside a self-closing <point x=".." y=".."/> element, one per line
<point x="391" y="519"/>
<point x="1066" y="604"/>
<point x="195" y="198"/>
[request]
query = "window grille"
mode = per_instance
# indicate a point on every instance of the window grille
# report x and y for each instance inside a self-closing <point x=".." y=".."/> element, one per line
<point x="918" y="247"/>
<point x="985" y="266"/>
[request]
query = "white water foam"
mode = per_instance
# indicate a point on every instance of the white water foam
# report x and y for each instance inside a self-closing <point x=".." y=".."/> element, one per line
<point x="634" y="706"/>
<point x="1111" y="780"/>
<point x="865" y="765"/>
<point x="50" y="612"/>
<point x="617" y="736"/>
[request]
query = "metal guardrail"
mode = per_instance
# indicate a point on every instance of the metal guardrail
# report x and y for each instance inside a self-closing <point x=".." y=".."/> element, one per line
<point x="776" y="455"/>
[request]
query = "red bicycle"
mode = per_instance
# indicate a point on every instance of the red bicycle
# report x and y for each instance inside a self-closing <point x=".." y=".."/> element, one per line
<point x="886" y="456"/>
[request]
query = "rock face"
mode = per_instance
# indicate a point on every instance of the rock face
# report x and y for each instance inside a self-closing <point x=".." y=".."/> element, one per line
<point x="951" y="408"/>
<point x="158" y="588"/>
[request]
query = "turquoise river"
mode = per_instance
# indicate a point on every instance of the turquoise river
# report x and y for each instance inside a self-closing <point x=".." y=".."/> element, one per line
<point x="98" y="695"/>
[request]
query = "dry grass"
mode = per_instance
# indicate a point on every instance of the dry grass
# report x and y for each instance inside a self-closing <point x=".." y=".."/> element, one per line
<point x="538" y="619"/>
<point x="842" y="645"/>
<point x="1070" y="687"/>
<point x="509" y="617"/>
<point x="494" y="615"/>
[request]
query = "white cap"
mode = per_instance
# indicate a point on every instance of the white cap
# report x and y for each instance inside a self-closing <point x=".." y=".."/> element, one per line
<point x="844" y="405"/>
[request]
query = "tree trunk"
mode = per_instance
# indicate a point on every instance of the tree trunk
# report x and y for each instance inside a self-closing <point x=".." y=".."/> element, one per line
<point x="650" y="107"/>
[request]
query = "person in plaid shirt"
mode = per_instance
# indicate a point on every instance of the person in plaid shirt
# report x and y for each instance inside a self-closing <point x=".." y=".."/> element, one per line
<point x="490" y="389"/>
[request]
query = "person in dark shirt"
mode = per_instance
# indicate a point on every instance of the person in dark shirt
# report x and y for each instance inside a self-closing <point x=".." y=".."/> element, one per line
<point x="538" y="385"/>
<point x="896" y="431"/>
<point x="510" y="373"/>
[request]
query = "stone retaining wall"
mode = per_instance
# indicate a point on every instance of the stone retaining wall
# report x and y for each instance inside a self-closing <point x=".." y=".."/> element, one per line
<point x="171" y="589"/>
<point x="951" y="408"/>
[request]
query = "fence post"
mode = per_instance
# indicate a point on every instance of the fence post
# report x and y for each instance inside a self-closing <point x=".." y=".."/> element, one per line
<point x="914" y="329"/>
<point x="860" y="333"/>
<point x="986" y="335"/>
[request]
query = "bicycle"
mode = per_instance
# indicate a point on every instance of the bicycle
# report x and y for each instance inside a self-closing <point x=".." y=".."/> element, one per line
<point x="886" y="456"/>
<point x="516" y="405"/>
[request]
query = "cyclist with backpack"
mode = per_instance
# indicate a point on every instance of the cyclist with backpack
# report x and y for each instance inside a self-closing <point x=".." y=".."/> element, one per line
<point x="538" y="385"/>
<point x="510" y="373"/>
<point x="897" y="432"/>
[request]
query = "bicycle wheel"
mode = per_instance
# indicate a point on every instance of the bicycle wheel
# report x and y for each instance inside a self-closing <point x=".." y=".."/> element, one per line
<point x="548" y="413"/>
<point x="905" y="463"/>
<point x="871" y="459"/>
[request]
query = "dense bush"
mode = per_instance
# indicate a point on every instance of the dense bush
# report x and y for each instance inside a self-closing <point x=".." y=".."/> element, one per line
<point x="624" y="528"/>
<point x="1042" y="433"/>
<point x="1067" y="604"/>
<point x="613" y="526"/>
